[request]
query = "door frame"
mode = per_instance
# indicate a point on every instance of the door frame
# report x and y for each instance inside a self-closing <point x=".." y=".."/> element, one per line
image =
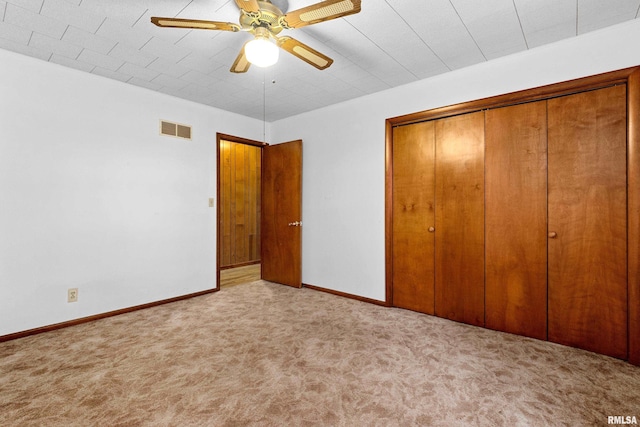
<point x="236" y="139"/>
<point x="630" y="77"/>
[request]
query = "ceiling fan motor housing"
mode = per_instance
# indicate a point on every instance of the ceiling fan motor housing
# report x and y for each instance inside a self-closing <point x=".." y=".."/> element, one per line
<point x="267" y="17"/>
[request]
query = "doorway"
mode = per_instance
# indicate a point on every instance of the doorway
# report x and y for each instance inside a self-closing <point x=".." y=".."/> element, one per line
<point x="276" y="236"/>
<point x="239" y="210"/>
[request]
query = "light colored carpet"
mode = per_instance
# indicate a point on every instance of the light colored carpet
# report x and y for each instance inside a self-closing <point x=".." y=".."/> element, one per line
<point x="263" y="354"/>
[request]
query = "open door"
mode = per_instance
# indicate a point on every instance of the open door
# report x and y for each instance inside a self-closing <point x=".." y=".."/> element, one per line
<point x="282" y="213"/>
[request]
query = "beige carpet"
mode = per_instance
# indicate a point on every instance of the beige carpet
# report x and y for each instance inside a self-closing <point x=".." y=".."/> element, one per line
<point x="267" y="355"/>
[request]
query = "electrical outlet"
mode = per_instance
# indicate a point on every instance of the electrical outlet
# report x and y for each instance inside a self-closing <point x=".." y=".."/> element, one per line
<point x="72" y="295"/>
<point x="210" y="202"/>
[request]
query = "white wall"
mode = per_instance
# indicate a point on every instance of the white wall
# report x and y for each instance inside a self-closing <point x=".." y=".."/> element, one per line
<point x="344" y="149"/>
<point x="91" y="196"/>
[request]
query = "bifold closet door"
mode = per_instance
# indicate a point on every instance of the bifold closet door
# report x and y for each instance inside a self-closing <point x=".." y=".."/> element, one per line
<point x="516" y="219"/>
<point x="413" y="216"/>
<point x="459" y="229"/>
<point x="587" y="245"/>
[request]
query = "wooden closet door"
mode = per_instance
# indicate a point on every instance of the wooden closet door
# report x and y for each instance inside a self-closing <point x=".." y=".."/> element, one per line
<point x="413" y="216"/>
<point x="516" y="219"/>
<point x="459" y="285"/>
<point x="587" y="221"/>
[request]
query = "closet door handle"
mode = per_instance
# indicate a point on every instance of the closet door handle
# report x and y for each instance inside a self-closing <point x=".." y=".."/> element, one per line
<point x="553" y="234"/>
<point x="431" y="229"/>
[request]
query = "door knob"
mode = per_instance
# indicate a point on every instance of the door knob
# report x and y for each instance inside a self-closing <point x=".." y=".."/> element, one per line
<point x="431" y="229"/>
<point x="553" y="234"/>
<point x="295" y="224"/>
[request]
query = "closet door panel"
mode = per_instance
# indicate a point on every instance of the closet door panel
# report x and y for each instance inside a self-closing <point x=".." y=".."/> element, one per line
<point x="413" y="214"/>
<point x="459" y="289"/>
<point x="516" y="219"/>
<point x="587" y="221"/>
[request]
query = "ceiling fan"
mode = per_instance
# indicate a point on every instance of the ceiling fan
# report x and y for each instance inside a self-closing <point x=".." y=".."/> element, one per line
<point x="265" y="21"/>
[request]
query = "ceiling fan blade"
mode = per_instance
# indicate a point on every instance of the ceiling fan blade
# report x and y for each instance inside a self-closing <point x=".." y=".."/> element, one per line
<point x="194" y="24"/>
<point x="319" y="12"/>
<point x="241" y="64"/>
<point x="248" y="5"/>
<point x="304" y="52"/>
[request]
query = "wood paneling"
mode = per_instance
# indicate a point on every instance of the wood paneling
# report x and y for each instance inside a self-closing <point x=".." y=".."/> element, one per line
<point x="516" y="219"/>
<point x="240" y="170"/>
<point x="459" y="287"/>
<point x="588" y="212"/>
<point x="413" y="215"/>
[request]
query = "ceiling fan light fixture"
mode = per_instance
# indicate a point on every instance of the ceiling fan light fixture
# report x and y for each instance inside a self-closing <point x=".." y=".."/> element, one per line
<point x="260" y="51"/>
<point x="265" y="20"/>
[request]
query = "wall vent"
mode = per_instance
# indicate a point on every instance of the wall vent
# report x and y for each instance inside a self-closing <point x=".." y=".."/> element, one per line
<point x="175" y="129"/>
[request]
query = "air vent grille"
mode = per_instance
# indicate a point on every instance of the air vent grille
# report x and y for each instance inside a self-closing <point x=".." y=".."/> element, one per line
<point x="175" y="129"/>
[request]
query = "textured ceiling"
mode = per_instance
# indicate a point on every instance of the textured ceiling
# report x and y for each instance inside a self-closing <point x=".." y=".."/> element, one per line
<point x="389" y="43"/>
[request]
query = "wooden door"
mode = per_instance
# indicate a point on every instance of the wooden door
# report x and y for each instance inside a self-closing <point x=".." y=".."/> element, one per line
<point x="459" y="284"/>
<point x="516" y="219"/>
<point x="587" y="221"/>
<point x="413" y="216"/>
<point x="282" y="213"/>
